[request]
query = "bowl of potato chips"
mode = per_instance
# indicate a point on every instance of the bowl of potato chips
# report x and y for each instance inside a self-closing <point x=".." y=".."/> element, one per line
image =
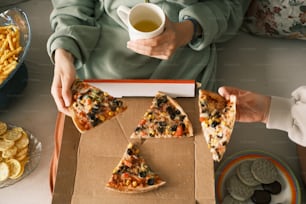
<point x="20" y="153"/>
<point x="15" y="38"/>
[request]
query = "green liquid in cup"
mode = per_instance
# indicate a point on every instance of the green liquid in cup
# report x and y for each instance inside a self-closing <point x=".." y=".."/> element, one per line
<point x="146" y="26"/>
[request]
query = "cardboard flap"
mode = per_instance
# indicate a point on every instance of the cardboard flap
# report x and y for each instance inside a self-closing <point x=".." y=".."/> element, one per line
<point x="146" y="88"/>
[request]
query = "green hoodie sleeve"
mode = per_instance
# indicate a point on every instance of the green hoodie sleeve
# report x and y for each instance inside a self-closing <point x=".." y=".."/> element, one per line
<point x="71" y="21"/>
<point x="76" y="30"/>
<point x="219" y="19"/>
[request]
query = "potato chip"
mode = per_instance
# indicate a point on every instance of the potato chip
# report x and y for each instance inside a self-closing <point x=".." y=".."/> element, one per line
<point x="14" y="167"/>
<point x="23" y="141"/>
<point x="10" y="152"/>
<point x="4" y="171"/>
<point x="20" y="172"/>
<point x="3" y="127"/>
<point x="13" y="134"/>
<point x="21" y="152"/>
<point x="21" y="157"/>
<point x="24" y="161"/>
<point x="6" y="144"/>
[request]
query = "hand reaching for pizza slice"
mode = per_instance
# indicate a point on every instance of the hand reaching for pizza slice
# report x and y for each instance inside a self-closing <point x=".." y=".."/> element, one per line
<point x="92" y="106"/>
<point x="251" y="106"/>
<point x="217" y="117"/>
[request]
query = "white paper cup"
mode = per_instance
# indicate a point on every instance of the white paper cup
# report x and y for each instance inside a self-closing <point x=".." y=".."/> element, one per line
<point x="144" y="20"/>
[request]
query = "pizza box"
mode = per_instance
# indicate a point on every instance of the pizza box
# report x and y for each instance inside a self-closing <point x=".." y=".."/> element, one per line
<point x="87" y="160"/>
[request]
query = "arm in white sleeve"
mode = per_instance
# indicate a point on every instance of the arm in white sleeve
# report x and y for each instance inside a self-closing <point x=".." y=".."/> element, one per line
<point x="290" y="115"/>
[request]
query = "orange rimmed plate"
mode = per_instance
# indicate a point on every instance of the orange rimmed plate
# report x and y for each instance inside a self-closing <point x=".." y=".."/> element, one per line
<point x="291" y="192"/>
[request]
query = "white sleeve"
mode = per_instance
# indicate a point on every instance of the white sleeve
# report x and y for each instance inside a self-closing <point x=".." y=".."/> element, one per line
<point x="290" y="115"/>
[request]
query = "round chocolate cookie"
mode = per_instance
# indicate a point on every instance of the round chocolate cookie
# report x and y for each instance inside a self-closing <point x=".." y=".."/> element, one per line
<point x="238" y="190"/>
<point x="261" y="197"/>
<point x="264" y="171"/>
<point x="273" y="188"/>
<point x="245" y="175"/>
<point x="228" y="199"/>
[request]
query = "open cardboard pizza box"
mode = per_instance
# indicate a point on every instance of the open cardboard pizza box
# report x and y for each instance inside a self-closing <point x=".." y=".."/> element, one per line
<point x="86" y="161"/>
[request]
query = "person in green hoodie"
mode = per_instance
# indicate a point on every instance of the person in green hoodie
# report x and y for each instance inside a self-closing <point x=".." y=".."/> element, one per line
<point x="91" y="42"/>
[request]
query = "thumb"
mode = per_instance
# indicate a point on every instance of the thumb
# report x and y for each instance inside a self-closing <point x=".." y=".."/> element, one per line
<point x="225" y="92"/>
<point x="66" y="92"/>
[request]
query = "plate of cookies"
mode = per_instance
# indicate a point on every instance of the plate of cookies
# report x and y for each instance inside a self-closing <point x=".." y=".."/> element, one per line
<point x="256" y="177"/>
<point x="19" y="153"/>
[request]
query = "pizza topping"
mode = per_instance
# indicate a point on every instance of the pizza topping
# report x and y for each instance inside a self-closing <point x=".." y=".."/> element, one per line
<point x="151" y="181"/>
<point x="164" y="118"/>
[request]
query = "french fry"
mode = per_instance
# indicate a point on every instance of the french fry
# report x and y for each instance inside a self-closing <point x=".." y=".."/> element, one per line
<point x="2" y="78"/>
<point x="8" y="68"/>
<point x="9" y="50"/>
<point x="10" y="54"/>
<point x="3" y="47"/>
<point x="10" y="42"/>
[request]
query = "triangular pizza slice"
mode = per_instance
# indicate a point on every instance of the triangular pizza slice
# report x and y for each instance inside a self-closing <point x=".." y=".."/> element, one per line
<point x="133" y="174"/>
<point x="92" y="106"/>
<point x="165" y="118"/>
<point x="217" y="117"/>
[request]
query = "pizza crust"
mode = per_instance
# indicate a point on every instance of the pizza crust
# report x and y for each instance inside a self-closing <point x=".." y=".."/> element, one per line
<point x="80" y="127"/>
<point x="136" y="190"/>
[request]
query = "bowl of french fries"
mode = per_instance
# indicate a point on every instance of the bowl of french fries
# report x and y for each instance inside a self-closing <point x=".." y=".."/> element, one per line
<point x="15" y="38"/>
